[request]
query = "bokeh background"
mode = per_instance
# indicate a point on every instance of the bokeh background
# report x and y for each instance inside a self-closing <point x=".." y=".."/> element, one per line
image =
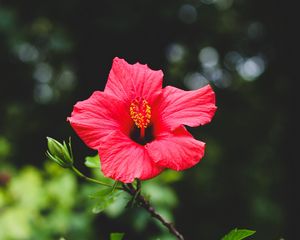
<point x="54" y="53"/>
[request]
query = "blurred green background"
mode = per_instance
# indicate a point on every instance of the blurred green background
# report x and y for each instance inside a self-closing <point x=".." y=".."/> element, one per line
<point x="54" y="53"/>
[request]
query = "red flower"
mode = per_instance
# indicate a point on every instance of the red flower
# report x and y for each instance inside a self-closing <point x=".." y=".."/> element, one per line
<point x="138" y="127"/>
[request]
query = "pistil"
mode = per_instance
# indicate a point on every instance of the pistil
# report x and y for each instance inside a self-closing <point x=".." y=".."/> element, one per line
<point x="142" y="132"/>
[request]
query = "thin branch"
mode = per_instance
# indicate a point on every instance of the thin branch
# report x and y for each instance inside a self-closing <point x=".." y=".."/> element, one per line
<point x="140" y="199"/>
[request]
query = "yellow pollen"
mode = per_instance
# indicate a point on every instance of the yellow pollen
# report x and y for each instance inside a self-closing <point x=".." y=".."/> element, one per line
<point x="140" y="112"/>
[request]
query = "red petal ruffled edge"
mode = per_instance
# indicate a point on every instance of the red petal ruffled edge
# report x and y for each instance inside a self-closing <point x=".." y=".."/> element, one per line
<point x="124" y="160"/>
<point x="126" y="81"/>
<point x="96" y="117"/>
<point x="177" y="150"/>
<point x="191" y="108"/>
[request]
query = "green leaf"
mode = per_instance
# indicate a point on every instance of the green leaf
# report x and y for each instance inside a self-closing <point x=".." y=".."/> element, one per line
<point x="116" y="236"/>
<point x="103" y="199"/>
<point x="92" y="161"/>
<point x="238" y="234"/>
<point x="170" y="176"/>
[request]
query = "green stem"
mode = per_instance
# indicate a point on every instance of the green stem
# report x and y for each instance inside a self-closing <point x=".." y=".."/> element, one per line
<point x="80" y="174"/>
<point x="136" y="194"/>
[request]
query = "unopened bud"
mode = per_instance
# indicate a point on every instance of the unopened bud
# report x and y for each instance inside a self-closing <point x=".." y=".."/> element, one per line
<point x="60" y="153"/>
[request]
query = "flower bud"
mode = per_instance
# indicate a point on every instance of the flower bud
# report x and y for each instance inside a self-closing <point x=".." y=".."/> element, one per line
<point x="60" y="153"/>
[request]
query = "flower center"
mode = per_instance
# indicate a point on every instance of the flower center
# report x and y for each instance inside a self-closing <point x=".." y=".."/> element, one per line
<point x="140" y="112"/>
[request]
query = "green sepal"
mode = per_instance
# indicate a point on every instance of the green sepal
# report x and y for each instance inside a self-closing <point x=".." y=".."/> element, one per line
<point x="57" y="160"/>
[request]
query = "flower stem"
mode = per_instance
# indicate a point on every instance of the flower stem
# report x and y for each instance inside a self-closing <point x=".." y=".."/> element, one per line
<point x="80" y="174"/>
<point x="140" y="199"/>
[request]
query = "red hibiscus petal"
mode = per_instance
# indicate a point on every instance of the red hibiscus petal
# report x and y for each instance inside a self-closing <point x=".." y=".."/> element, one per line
<point x="124" y="160"/>
<point x="98" y="116"/>
<point x="177" y="151"/>
<point x="192" y="108"/>
<point x="127" y="82"/>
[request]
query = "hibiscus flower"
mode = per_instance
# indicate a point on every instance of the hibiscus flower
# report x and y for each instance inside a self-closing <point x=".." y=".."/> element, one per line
<point x="137" y="126"/>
